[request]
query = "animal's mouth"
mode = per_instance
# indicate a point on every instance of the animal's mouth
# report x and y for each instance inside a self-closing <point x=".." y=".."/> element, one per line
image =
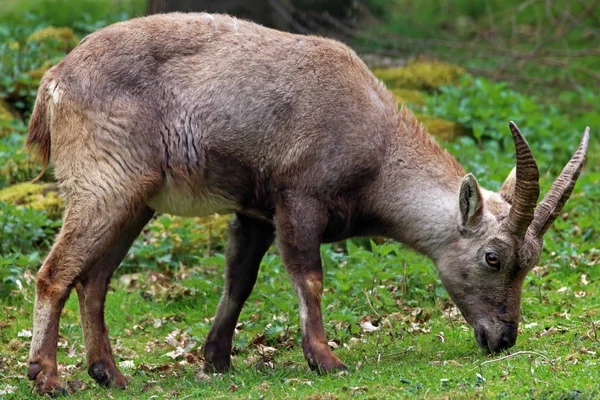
<point x="505" y="340"/>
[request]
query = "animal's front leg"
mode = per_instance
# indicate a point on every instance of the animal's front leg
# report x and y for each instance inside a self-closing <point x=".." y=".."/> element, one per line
<point x="300" y="222"/>
<point x="249" y="239"/>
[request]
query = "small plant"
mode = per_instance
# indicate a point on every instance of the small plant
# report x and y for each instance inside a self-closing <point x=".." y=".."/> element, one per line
<point x="24" y="230"/>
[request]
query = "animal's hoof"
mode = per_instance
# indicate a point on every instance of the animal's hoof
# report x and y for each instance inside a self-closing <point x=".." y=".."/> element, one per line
<point x="50" y="386"/>
<point x="329" y="368"/>
<point x="326" y="364"/>
<point x="34" y="369"/>
<point x="217" y="366"/>
<point x="106" y="374"/>
<point x="46" y="379"/>
<point x="120" y="382"/>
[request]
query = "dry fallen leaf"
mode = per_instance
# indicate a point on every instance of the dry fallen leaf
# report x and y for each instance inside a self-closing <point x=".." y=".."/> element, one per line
<point x="76" y="385"/>
<point x="263" y="386"/>
<point x="172" y="338"/>
<point x="441" y="337"/>
<point x="417" y="328"/>
<point x="127" y="364"/>
<point x="367" y="326"/>
<point x="146" y="387"/>
<point x="266" y="351"/>
<point x="203" y="377"/>
<point x="292" y="381"/>
<point x="178" y="352"/>
<point x="153" y="368"/>
<point x="8" y="389"/>
<point x="24" y="333"/>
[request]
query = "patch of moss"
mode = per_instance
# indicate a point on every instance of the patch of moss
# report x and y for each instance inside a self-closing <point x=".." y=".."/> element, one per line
<point x="19" y="166"/>
<point x="38" y="196"/>
<point x="65" y="36"/>
<point x="39" y="72"/>
<point x="6" y="116"/>
<point x="441" y="128"/>
<point x="29" y="85"/>
<point x="421" y="75"/>
<point x="414" y="97"/>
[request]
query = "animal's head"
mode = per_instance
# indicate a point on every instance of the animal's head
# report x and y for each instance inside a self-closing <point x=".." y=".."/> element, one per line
<point x="500" y="240"/>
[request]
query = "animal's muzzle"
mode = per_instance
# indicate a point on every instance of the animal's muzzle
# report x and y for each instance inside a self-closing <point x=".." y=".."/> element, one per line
<point x="498" y="338"/>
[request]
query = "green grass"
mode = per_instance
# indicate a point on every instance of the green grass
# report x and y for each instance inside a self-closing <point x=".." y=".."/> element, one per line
<point x="421" y="348"/>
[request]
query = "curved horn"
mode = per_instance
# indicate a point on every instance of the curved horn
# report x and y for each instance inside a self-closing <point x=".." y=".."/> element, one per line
<point x="527" y="186"/>
<point x="561" y="189"/>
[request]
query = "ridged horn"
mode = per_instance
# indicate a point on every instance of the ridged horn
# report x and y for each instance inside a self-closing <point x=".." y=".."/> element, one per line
<point x="527" y="186"/>
<point x="561" y="190"/>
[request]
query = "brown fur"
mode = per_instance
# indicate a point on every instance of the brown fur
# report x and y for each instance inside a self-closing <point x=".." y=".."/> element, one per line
<point x="38" y="139"/>
<point x="193" y="114"/>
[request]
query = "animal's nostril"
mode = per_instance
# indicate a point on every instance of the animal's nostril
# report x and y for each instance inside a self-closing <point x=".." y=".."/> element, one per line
<point x="481" y="337"/>
<point x="509" y="337"/>
<point x="506" y="343"/>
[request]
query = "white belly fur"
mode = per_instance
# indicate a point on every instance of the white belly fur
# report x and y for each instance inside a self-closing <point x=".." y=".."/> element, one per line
<point x="187" y="202"/>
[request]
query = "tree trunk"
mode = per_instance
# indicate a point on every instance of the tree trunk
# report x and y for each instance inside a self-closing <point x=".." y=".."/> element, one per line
<point x="272" y="13"/>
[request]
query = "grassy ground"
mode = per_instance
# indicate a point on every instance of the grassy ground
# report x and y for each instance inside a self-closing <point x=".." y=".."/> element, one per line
<point x="416" y="345"/>
<point x="386" y="314"/>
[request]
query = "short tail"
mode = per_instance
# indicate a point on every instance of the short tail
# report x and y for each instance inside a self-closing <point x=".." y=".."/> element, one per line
<point x="38" y="140"/>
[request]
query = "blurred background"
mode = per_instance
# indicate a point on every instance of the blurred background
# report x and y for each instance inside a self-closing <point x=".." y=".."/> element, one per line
<point x="542" y="45"/>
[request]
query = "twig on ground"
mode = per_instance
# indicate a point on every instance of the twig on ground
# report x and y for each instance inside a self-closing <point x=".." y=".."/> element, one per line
<point x="400" y="353"/>
<point x="518" y="353"/>
<point x="369" y="302"/>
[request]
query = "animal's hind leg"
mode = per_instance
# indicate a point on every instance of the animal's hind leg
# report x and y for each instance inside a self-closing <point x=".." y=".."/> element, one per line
<point x="249" y="239"/>
<point x="92" y="221"/>
<point x="91" y="290"/>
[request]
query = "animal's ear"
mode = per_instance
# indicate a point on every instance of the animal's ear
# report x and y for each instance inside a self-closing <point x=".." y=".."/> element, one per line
<point x="507" y="191"/>
<point x="470" y="202"/>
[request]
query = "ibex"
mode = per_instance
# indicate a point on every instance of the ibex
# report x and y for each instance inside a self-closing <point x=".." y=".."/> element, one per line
<point x="193" y="114"/>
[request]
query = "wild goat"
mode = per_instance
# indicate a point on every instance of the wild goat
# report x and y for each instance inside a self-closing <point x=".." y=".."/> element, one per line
<point x="193" y="114"/>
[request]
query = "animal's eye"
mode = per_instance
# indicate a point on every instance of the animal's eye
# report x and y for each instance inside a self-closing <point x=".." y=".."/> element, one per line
<point x="492" y="259"/>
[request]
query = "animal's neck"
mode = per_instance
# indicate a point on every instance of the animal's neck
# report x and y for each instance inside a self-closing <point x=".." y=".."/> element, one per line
<point x="418" y="192"/>
<point x="423" y="215"/>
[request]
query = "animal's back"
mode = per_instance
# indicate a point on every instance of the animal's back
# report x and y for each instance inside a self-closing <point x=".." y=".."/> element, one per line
<point x="226" y="109"/>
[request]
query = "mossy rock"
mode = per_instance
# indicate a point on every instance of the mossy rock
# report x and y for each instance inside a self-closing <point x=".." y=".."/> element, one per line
<point x="65" y="36"/>
<point x="38" y="196"/>
<point x="421" y="75"/>
<point x="404" y="96"/>
<point x="441" y="128"/>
